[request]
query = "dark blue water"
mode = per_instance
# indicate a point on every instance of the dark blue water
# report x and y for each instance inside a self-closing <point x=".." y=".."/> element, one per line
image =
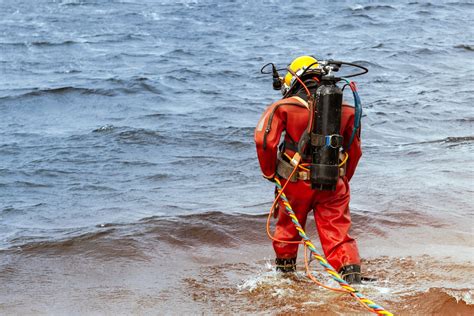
<point x="117" y="111"/>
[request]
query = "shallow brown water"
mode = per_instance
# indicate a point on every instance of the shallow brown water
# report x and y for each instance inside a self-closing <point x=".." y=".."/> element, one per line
<point x="222" y="264"/>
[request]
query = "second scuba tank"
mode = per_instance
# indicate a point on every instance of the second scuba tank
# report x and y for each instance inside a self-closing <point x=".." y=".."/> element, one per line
<point x="325" y="139"/>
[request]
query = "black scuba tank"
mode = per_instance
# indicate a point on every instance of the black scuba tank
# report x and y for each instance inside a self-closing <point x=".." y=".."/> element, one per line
<point x="325" y="139"/>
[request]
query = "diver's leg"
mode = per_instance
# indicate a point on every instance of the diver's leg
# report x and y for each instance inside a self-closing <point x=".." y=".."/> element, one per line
<point x="300" y="200"/>
<point x="333" y="222"/>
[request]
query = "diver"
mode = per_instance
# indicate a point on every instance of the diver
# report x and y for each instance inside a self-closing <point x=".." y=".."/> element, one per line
<point x="278" y="138"/>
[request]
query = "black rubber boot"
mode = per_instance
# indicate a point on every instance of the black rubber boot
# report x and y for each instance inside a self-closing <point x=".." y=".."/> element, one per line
<point x="285" y="265"/>
<point x="351" y="274"/>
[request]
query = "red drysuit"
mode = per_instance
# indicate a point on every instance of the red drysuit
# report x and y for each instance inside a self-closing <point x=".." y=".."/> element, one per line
<point x="331" y="208"/>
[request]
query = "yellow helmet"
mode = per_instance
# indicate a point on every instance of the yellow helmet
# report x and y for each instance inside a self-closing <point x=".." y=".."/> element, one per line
<point x="299" y="65"/>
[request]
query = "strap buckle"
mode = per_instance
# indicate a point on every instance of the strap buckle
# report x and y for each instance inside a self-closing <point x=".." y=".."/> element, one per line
<point x="334" y="141"/>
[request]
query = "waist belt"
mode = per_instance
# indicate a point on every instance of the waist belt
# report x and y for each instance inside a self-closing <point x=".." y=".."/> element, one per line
<point x="284" y="170"/>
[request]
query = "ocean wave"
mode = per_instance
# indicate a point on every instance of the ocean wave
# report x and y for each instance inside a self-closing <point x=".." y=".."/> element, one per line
<point x="426" y="4"/>
<point x="60" y="91"/>
<point x="450" y="141"/>
<point x="117" y="86"/>
<point x="214" y="228"/>
<point x="165" y="115"/>
<point x="461" y="139"/>
<point x="48" y="43"/>
<point x="207" y="228"/>
<point x="140" y="136"/>
<point x="51" y="173"/>
<point x="372" y="7"/>
<point x="468" y="4"/>
<point x="465" y="47"/>
<point x="104" y="129"/>
<point x="30" y="184"/>
<point x="77" y="2"/>
<point x="93" y="244"/>
<point x="465" y="120"/>
<point x="40" y="43"/>
<point x="90" y="187"/>
<point x="158" y="177"/>
<point x="364" y="16"/>
<point x="419" y="52"/>
<point x="218" y="228"/>
<point x="178" y="53"/>
<point x="380" y="223"/>
<point x="9" y="210"/>
<point x="131" y="135"/>
<point x="94" y="39"/>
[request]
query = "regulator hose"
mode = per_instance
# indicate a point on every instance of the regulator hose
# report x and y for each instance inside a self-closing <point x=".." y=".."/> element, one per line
<point x="358" y="112"/>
